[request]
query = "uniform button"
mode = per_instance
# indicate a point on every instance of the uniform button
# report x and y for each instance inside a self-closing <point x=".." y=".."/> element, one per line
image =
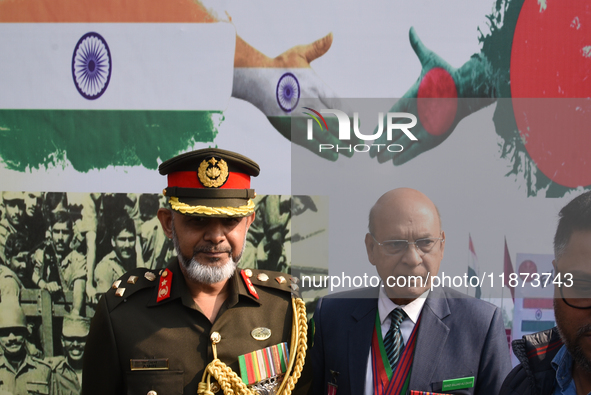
<point x="216" y="337"/>
<point x="152" y="392"/>
<point x="215" y="387"/>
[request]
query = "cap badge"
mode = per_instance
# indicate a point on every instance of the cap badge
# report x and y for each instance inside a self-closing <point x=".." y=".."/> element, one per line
<point x="213" y="172"/>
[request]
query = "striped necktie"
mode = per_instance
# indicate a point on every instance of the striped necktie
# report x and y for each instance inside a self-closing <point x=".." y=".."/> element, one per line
<point x="393" y="343"/>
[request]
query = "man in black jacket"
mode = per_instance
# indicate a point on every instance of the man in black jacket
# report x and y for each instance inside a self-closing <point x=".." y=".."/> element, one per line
<point x="558" y="360"/>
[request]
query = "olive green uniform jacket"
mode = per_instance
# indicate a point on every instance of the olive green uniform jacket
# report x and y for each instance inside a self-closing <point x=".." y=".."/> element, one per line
<point x="32" y="377"/>
<point x="65" y="380"/>
<point x="173" y="333"/>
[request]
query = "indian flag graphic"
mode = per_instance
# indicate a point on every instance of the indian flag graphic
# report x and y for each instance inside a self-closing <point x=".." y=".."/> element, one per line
<point x="111" y="82"/>
<point x="278" y="87"/>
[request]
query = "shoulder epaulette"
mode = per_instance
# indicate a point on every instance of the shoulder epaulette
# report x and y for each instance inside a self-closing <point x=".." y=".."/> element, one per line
<point x="41" y="362"/>
<point x="128" y="284"/>
<point x="276" y="280"/>
<point x="54" y="362"/>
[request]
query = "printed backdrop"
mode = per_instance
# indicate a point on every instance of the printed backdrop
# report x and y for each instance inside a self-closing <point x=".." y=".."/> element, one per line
<point x="94" y="95"/>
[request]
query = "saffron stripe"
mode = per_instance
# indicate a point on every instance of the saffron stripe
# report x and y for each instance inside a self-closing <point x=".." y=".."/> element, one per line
<point x="88" y="11"/>
<point x="538" y="303"/>
<point x="255" y="366"/>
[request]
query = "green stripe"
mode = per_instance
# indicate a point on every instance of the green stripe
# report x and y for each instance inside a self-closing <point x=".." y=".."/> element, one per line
<point x="96" y="139"/>
<point x="282" y="358"/>
<point x="536" y="326"/>
<point x="405" y="386"/>
<point x="385" y="360"/>
<point x="243" y="371"/>
<point x="457" y="384"/>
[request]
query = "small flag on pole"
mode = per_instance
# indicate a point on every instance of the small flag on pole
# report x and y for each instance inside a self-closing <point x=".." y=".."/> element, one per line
<point x="508" y="269"/>
<point x="473" y="269"/>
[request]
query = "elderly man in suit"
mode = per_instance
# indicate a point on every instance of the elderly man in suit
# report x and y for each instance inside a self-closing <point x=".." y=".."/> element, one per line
<point x="401" y="340"/>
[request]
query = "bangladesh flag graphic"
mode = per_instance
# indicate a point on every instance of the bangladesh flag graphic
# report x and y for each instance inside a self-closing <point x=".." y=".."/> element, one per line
<point x="109" y="83"/>
<point x="535" y="62"/>
<point x="546" y="70"/>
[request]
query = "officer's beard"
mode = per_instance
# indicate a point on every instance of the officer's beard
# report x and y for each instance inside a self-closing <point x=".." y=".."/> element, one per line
<point x="206" y="274"/>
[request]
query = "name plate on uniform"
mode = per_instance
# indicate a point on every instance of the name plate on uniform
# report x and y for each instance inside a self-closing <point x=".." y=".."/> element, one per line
<point x="149" y="364"/>
<point x="458" y="384"/>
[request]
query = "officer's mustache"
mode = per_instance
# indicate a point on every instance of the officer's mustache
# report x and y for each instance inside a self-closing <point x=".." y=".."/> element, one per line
<point x="11" y="343"/>
<point x="212" y="249"/>
<point x="77" y="347"/>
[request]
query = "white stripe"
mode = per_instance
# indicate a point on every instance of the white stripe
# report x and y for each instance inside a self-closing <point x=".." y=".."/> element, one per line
<point x="155" y="66"/>
<point x="259" y="87"/>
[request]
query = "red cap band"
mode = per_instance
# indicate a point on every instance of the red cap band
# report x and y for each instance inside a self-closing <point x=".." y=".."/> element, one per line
<point x="189" y="179"/>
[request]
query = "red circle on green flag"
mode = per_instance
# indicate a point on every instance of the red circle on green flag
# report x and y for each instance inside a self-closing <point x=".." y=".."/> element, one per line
<point x="437" y="102"/>
<point x="551" y="60"/>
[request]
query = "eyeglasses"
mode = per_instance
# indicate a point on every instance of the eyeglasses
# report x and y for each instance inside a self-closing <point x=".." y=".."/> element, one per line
<point x="578" y="295"/>
<point x="393" y="247"/>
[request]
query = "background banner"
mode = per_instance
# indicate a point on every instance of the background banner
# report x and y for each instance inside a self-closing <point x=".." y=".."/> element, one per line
<point x="94" y="95"/>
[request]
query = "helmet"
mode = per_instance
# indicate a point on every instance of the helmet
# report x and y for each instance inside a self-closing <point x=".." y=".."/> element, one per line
<point x="12" y="316"/>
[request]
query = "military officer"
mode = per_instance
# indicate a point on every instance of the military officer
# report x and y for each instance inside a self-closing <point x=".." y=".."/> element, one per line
<point x="20" y="373"/>
<point x="200" y="324"/>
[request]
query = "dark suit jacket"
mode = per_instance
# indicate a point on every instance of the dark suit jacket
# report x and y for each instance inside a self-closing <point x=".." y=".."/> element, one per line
<point x="458" y="337"/>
